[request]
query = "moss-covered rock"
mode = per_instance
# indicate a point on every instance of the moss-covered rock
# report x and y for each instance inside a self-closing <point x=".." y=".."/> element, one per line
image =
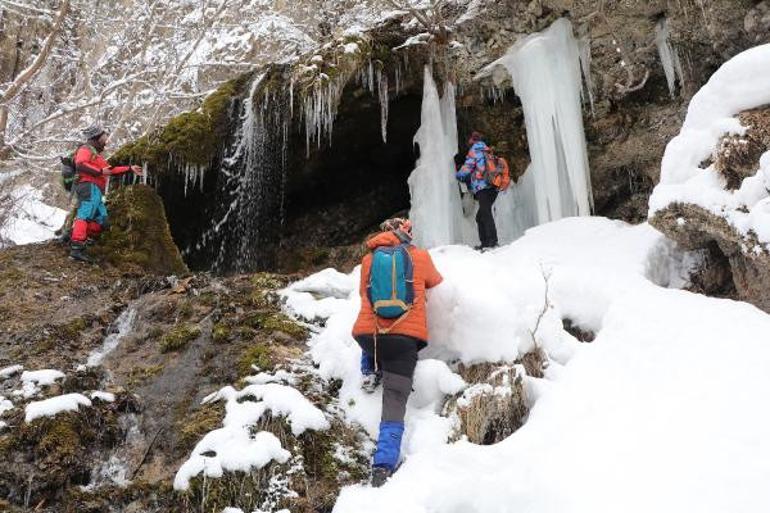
<point x="220" y="333"/>
<point x="139" y="234"/>
<point x="57" y="450"/>
<point x="284" y="324"/>
<point x="191" y="138"/>
<point x="194" y="426"/>
<point x="178" y="337"/>
<point x="259" y="355"/>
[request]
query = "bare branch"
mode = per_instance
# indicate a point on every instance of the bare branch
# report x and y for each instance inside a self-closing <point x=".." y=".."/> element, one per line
<point x="546" y="273"/>
<point x="25" y="76"/>
<point x="33" y="68"/>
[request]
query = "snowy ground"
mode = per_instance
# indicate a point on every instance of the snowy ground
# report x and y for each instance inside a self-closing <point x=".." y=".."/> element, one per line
<point x="662" y="412"/>
<point x="31" y="219"/>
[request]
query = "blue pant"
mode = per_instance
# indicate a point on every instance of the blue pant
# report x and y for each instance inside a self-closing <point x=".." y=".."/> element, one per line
<point x="91" y="205"/>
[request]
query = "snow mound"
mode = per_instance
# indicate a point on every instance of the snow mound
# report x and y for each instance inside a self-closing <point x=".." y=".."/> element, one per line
<point x="233" y="448"/>
<point x="10" y="371"/>
<point x="54" y="406"/>
<point x="32" y="381"/>
<point x="5" y="405"/>
<point x="45" y="377"/>
<point x="741" y="83"/>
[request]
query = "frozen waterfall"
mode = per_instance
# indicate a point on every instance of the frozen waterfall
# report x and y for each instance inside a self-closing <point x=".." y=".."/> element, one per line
<point x="545" y="68"/>
<point x="546" y="72"/>
<point x="437" y="211"/>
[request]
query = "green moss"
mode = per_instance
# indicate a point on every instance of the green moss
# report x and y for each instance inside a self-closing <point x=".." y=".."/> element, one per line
<point x="220" y="333"/>
<point x="318" y="453"/>
<point x="72" y="329"/>
<point x="266" y="281"/>
<point x="185" y="309"/>
<point x="61" y="440"/>
<point x="139" y="375"/>
<point x="178" y="338"/>
<point x="140" y="236"/>
<point x="155" y="333"/>
<point x="282" y="323"/>
<point x="190" y="138"/>
<point x="245" y="332"/>
<point x="195" y="426"/>
<point x="259" y="355"/>
<point x="256" y="320"/>
<point x="45" y="345"/>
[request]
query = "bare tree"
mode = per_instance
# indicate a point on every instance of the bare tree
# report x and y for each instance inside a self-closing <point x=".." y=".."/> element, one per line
<point x="27" y="75"/>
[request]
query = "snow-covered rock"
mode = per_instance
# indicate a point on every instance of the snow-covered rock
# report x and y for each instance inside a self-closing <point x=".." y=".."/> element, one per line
<point x="715" y="175"/>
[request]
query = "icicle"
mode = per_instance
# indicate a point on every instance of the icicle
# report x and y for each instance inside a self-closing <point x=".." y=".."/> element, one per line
<point x="669" y="57"/>
<point x="436" y="210"/>
<point x="585" y="64"/>
<point x="291" y="96"/>
<point x="545" y="68"/>
<point x="382" y="93"/>
<point x="398" y="79"/>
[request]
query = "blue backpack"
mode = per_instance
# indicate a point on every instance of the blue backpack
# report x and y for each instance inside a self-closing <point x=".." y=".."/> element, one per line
<point x="391" y="281"/>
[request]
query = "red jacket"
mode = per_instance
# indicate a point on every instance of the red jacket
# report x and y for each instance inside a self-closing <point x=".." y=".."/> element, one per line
<point x="89" y="165"/>
<point x="415" y="324"/>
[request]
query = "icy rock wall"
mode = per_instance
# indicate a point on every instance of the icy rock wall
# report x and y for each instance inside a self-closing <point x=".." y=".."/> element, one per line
<point x="545" y="68"/>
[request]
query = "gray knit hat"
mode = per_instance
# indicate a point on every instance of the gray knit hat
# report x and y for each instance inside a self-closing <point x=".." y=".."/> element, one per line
<point x="93" y="131"/>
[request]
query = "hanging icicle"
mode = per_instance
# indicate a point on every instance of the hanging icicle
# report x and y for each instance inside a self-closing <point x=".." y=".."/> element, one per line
<point x="669" y="57"/>
<point x="382" y="94"/>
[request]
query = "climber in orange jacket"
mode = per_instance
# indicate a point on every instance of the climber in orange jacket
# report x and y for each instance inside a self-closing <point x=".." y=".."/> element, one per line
<point x="93" y="171"/>
<point x="391" y="328"/>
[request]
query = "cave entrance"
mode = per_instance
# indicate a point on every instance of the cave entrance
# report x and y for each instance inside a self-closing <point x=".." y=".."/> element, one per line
<point x="344" y="189"/>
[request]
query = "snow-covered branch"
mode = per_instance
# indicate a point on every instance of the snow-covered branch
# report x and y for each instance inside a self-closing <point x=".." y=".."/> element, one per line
<point x="26" y="75"/>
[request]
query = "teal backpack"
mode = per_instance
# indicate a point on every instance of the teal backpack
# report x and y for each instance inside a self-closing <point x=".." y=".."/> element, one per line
<point x="391" y="281"/>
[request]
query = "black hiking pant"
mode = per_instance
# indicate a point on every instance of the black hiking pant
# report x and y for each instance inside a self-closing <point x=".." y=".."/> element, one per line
<point x="396" y="357"/>
<point x="484" y="218"/>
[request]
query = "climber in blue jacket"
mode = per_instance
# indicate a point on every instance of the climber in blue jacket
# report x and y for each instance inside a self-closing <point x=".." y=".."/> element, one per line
<point x="472" y="173"/>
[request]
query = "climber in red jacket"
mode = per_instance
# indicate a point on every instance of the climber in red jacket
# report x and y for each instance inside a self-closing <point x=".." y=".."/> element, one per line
<point x="93" y="171"/>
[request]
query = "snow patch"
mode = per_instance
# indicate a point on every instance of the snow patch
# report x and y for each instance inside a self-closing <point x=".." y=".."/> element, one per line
<point x="32" y="220"/>
<point x="8" y="372"/>
<point x="55" y="405"/>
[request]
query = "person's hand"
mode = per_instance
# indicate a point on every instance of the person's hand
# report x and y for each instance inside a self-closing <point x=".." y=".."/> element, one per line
<point x="137" y="170"/>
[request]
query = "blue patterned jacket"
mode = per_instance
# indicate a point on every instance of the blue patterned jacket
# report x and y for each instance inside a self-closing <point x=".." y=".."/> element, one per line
<point x="472" y="172"/>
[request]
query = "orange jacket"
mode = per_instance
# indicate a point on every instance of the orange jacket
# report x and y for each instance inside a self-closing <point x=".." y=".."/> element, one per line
<point x="415" y="324"/>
